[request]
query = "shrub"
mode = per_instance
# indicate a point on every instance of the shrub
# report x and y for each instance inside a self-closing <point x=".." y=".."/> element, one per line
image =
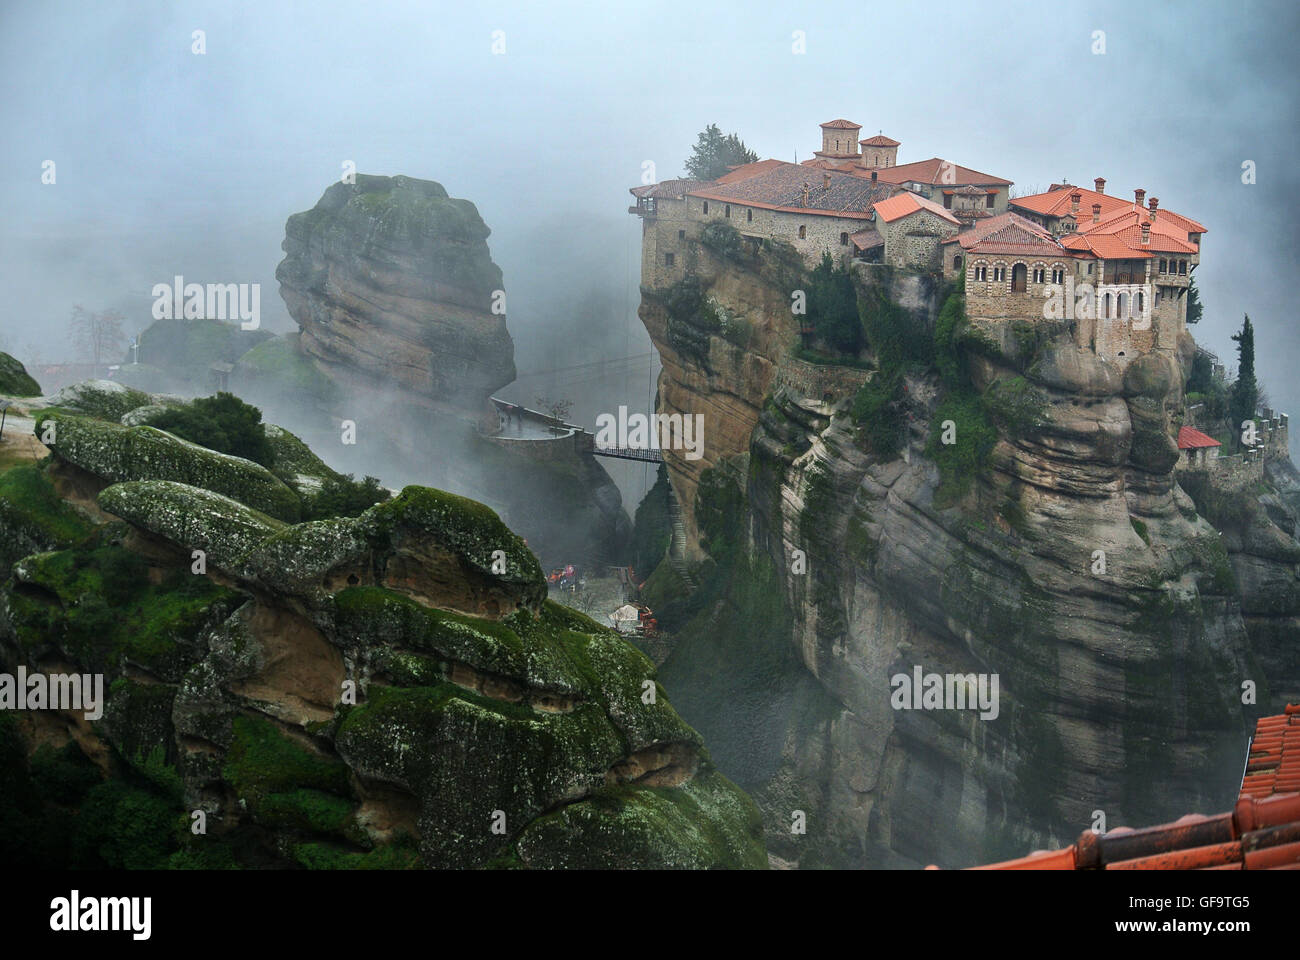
<point x="223" y="423"/>
<point x="974" y="438"/>
<point x="833" y="307"/>
<point x="345" y="497"/>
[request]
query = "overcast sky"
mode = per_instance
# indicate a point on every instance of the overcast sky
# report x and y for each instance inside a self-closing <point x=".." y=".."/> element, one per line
<point x="170" y="162"/>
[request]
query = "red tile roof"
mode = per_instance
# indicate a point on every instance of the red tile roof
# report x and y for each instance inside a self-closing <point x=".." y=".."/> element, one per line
<point x="907" y="203"/>
<point x="780" y="187"/>
<point x="1273" y="764"/>
<point x="866" y="239"/>
<point x="1260" y="833"/>
<point x="936" y="170"/>
<point x="1010" y="234"/>
<point x="666" y="189"/>
<point x="879" y="140"/>
<point x="842" y="125"/>
<point x="1189" y="438"/>
<point x="746" y="170"/>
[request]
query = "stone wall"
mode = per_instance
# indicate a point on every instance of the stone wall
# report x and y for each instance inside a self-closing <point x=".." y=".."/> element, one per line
<point x="820" y="383"/>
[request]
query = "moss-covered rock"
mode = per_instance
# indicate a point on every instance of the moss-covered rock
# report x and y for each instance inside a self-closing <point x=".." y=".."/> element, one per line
<point x="116" y="453"/>
<point x="102" y="399"/>
<point x="15" y="381"/>
<point x="191" y="518"/>
<point x="33" y="518"/>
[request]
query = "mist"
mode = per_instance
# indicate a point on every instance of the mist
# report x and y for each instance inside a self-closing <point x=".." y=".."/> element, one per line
<point x="171" y="162"/>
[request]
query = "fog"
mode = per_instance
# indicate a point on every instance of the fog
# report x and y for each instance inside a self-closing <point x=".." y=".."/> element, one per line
<point x="168" y="162"/>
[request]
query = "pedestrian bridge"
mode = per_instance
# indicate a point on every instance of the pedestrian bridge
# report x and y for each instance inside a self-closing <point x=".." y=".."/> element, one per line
<point x="520" y="426"/>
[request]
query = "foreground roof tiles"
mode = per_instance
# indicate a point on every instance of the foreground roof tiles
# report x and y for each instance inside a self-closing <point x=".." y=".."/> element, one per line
<point x="1262" y="832"/>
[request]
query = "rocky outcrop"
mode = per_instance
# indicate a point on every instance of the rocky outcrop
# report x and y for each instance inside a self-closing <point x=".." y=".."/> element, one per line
<point x="390" y="280"/>
<point x="14" y="379"/>
<point x="387" y="690"/>
<point x="1070" y="565"/>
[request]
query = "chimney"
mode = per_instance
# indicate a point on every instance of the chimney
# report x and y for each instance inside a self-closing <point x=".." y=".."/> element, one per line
<point x="1100" y="184"/>
<point x="826" y="181"/>
<point x="805" y="193"/>
<point x="1152" y="204"/>
<point x="1146" y="233"/>
<point x="1138" y="196"/>
<point x="1096" y="213"/>
<point x="1074" y="203"/>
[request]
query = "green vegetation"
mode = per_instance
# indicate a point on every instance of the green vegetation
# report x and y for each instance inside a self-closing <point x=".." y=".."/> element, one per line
<point x="223" y="423"/>
<point x="1245" y="392"/>
<point x="14" y="379"/>
<point x="833" y="307"/>
<point x="714" y="154"/>
<point x="1140" y="528"/>
<point x="962" y="418"/>
<point x="278" y="367"/>
<point x="1194" y="306"/>
<point x="652" y="527"/>
<point x="99" y="606"/>
<point x="344" y="496"/>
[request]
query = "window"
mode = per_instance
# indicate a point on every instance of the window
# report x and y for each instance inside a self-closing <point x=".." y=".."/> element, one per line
<point x="706" y="206"/>
<point x="1140" y="303"/>
<point x="668" y="259"/>
<point x="1163" y="265"/>
<point x="727" y="211"/>
<point x="981" y="274"/>
<point x="1182" y="268"/>
<point x="988" y="200"/>
<point x="947" y="201"/>
<point x="749" y="216"/>
<point x="844" y="239"/>
<point x="999" y="274"/>
<point x="956" y="263"/>
<point x="1039" y="273"/>
<point x="681" y="234"/>
<point x="1018" y="278"/>
<point x="803" y="232"/>
<point x="1058" y="275"/>
<point x="1090" y="268"/>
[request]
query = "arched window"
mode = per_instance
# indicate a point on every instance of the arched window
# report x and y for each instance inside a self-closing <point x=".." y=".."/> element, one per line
<point x="1140" y="303"/>
<point x="803" y="232"/>
<point x="844" y="239"/>
<point x="1121" y="306"/>
<point x="727" y="211"/>
<point x="1018" y="272"/>
<point x="1105" y="305"/>
<point x="706" y="206"/>
<point x="956" y="263"/>
<point x="749" y="216"/>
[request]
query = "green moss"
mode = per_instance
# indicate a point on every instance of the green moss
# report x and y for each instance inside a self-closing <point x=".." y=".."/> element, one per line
<point x="284" y="784"/>
<point x="279" y="367"/>
<point x="14" y="379"/>
<point x="116" y="453"/>
<point x="1140" y="529"/>
<point x="401" y="854"/>
<point x="463" y="525"/>
<point x="100" y="608"/>
<point x="704" y="824"/>
<point x="974" y="438"/>
<point x="33" y="517"/>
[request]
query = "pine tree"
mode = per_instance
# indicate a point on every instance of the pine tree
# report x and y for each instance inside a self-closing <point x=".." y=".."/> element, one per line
<point x="1193" y="303"/>
<point x="1245" y="392"/>
<point x="713" y="154"/>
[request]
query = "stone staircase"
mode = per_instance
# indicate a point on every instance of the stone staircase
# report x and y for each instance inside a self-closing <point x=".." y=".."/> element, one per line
<point x="677" y="548"/>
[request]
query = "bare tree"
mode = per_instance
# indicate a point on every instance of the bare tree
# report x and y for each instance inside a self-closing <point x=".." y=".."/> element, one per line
<point x="97" y="335"/>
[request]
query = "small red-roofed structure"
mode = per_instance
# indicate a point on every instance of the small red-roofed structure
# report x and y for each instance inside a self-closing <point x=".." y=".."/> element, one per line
<point x="1195" y="447"/>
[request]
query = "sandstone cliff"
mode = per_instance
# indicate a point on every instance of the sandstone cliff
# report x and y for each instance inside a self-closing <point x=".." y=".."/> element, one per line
<point x="1120" y="682"/>
<point x="385" y="690"/>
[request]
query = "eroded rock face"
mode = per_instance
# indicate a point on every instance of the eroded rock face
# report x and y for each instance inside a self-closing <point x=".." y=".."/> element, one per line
<point x="1119" y="684"/>
<point x="390" y="280"/>
<point x="388" y="690"/>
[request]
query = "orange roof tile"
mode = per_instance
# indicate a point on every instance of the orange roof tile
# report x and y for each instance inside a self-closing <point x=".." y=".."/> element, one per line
<point x="880" y="140"/>
<point x="842" y="125"/>
<point x="780" y="186"/>
<point x="746" y="170"/>
<point x="907" y="203"/>
<point x="1189" y="438"/>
